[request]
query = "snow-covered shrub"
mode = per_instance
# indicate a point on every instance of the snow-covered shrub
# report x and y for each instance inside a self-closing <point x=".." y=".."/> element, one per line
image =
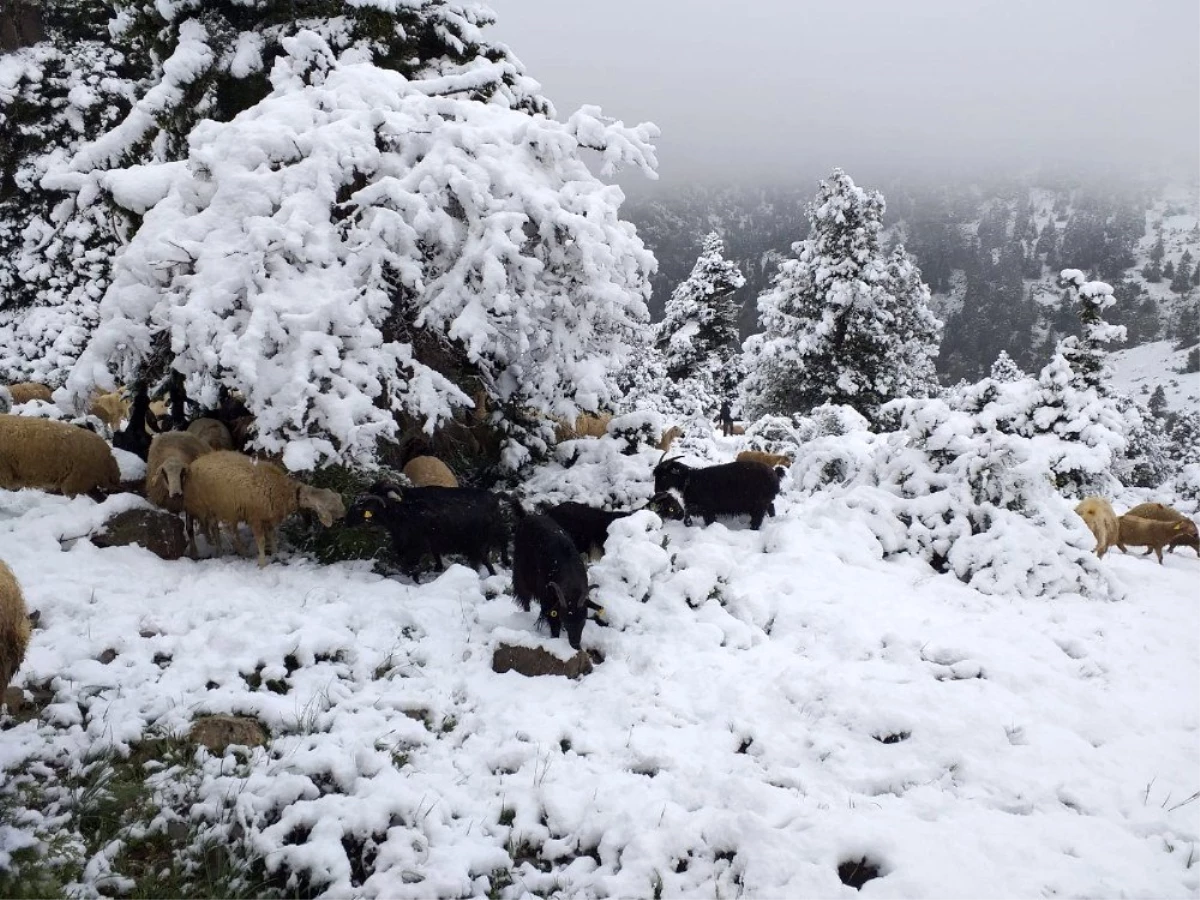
<point x="595" y="471"/>
<point x="1187" y="482"/>
<point x="952" y="488"/>
<point x="637" y="430"/>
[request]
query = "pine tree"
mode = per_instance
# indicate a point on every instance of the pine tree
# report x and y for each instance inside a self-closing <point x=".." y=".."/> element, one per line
<point x="1158" y="250"/>
<point x="1181" y="283"/>
<point x="389" y="231"/>
<point x="842" y="323"/>
<point x="1005" y="370"/>
<point x="699" y="333"/>
<point x="1157" y="405"/>
<point x="1086" y="354"/>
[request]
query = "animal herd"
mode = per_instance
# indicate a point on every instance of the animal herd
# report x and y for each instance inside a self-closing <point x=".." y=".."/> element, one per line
<point x="197" y="467"/>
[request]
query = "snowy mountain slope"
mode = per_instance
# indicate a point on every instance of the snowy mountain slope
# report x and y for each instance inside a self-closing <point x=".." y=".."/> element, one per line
<point x="1137" y="371"/>
<point x="770" y="705"/>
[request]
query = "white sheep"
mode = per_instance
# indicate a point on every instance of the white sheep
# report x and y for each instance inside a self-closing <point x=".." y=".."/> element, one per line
<point x="429" y="471"/>
<point x="225" y="487"/>
<point x="24" y="391"/>
<point x="169" y="457"/>
<point x="1101" y="520"/>
<point x="54" y="456"/>
<point x="213" y="432"/>
<point x="14" y="625"/>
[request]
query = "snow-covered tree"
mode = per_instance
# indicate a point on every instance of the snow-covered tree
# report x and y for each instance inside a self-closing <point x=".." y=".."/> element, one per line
<point x="359" y="245"/>
<point x="1005" y="370"/>
<point x="1086" y="354"/>
<point x="843" y="323"/>
<point x="699" y="331"/>
<point x="121" y="85"/>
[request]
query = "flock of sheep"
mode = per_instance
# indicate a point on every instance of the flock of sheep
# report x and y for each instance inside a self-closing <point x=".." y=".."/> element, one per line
<point x="1151" y="525"/>
<point x="196" y="467"/>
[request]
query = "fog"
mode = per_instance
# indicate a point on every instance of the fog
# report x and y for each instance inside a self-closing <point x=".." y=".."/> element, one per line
<point x="779" y="89"/>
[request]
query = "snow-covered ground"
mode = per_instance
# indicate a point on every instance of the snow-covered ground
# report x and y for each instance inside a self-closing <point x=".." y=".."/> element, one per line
<point x="770" y="705"/>
<point x="1137" y="371"/>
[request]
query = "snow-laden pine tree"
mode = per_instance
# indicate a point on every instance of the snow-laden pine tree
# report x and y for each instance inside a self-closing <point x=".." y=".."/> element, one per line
<point x="843" y="323"/>
<point x="699" y="331"/>
<point x="392" y="225"/>
<point x="1005" y="370"/>
<point x="118" y="85"/>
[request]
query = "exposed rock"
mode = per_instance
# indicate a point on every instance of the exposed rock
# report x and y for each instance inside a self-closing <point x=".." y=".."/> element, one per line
<point x="219" y="732"/>
<point x="159" y="532"/>
<point x="536" y="661"/>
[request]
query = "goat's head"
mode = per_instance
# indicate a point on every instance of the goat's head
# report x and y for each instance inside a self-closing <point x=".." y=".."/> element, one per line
<point x="366" y="510"/>
<point x="567" y="613"/>
<point x="670" y="474"/>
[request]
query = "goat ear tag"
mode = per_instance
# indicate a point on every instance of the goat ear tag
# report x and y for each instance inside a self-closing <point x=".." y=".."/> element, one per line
<point x="554" y="613"/>
<point x="367" y="514"/>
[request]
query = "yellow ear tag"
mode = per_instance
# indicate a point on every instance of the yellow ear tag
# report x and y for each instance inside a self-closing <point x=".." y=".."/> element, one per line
<point x="600" y="611"/>
<point x="554" y="613"/>
<point x="367" y="514"/>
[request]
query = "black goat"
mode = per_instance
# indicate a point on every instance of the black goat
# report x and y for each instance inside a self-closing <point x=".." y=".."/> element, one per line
<point x="732" y="489"/>
<point x="133" y="437"/>
<point x="547" y="566"/>
<point x="588" y="526"/>
<point x="435" y="521"/>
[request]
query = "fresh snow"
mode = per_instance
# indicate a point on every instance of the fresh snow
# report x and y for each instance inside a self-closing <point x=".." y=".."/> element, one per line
<point x="1137" y="371"/>
<point x="770" y="705"/>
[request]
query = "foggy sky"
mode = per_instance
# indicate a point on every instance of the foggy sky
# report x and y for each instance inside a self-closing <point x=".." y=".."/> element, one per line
<point x="749" y="89"/>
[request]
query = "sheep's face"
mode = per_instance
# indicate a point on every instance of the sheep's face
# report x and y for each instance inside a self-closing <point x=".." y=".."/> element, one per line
<point x="173" y="472"/>
<point x="325" y="503"/>
<point x="367" y="510"/>
<point x="667" y="505"/>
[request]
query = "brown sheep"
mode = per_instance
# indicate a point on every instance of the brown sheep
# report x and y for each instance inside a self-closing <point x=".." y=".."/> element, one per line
<point x="668" y="437"/>
<point x="584" y="426"/>
<point x="14" y="626"/>
<point x="54" y="456"/>
<point x="1190" y="536"/>
<point x="1134" y="531"/>
<point x="739" y="429"/>
<point x="24" y="391"/>
<point x="111" y="409"/>
<point x="170" y="454"/>
<point x="429" y="471"/>
<point x="228" y="488"/>
<point x="212" y="432"/>
<point x="770" y="460"/>
<point x="1101" y="520"/>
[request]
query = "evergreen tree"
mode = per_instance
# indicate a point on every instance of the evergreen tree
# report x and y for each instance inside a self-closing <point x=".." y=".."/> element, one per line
<point x="842" y="323"/>
<point x="1181" y="283"/>
<point x="1152" y="272"/>
<point x="387" y="228"/>
<point x="1086" y="354"/>
<point x="1158" y="250"/>
<point x="1157" y="404"/>
<point x="1187" y="326"/>
<point x="1168" y="270"/>
<point x="699" y="334"/>
<point x="1005" y="370"/>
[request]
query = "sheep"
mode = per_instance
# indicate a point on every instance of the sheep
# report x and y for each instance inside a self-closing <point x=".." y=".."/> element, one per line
<point x="429" y="471"/>
<point x="14" y="625"/>
<point x="170" y="454"/>
<point x="134" y="437"/>
<point x="1098" y="514"/>
<point x="668" y="437"/>
<point x="588" y="526"/>
<point x="584" y="426"/>
<point x="435" y="521"/>
<point x="730" y="489"/>
<point x="24" y="391"/>
<point x="767" y="459"/>
<point x="546" y="565"/>
<point x="1133" y="531"/>
<point x="225" y="487"/>
<point x="54" y="456"/>
<point x="214" y="433"/>
<point x="110" y="408"/>
<point x="1190" y="537"/>
<point x="739" y="429"/>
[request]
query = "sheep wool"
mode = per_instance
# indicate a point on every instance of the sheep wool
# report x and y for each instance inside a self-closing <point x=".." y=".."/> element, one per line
<point x="212" y="432"/>
<point x="1101" y="520"/>
<point x="429" y="471"/>
<point x="54" y="456"/>
<point x="170" y="454"/>
<point x="24" y="391"/>
<point x="226" y="488"/>
<point x="14" y="625"/>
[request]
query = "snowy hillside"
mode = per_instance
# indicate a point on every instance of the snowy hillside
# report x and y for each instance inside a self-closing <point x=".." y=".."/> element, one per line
<point x="770" y="706"/>
<point x="1137" y="371"/>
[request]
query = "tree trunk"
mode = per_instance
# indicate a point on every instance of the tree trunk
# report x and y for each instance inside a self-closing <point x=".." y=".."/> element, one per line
<point x="20" y="24"/>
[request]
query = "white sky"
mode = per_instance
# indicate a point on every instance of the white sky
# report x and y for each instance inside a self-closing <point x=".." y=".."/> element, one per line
<point x="772" y="87"/>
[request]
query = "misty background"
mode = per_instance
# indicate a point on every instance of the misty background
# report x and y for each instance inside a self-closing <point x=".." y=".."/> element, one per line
<point x="774" y="90"/>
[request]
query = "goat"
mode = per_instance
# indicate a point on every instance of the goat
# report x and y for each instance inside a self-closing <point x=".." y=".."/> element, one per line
<point x="736" y="488"/>
<point x="547" y="566"/>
